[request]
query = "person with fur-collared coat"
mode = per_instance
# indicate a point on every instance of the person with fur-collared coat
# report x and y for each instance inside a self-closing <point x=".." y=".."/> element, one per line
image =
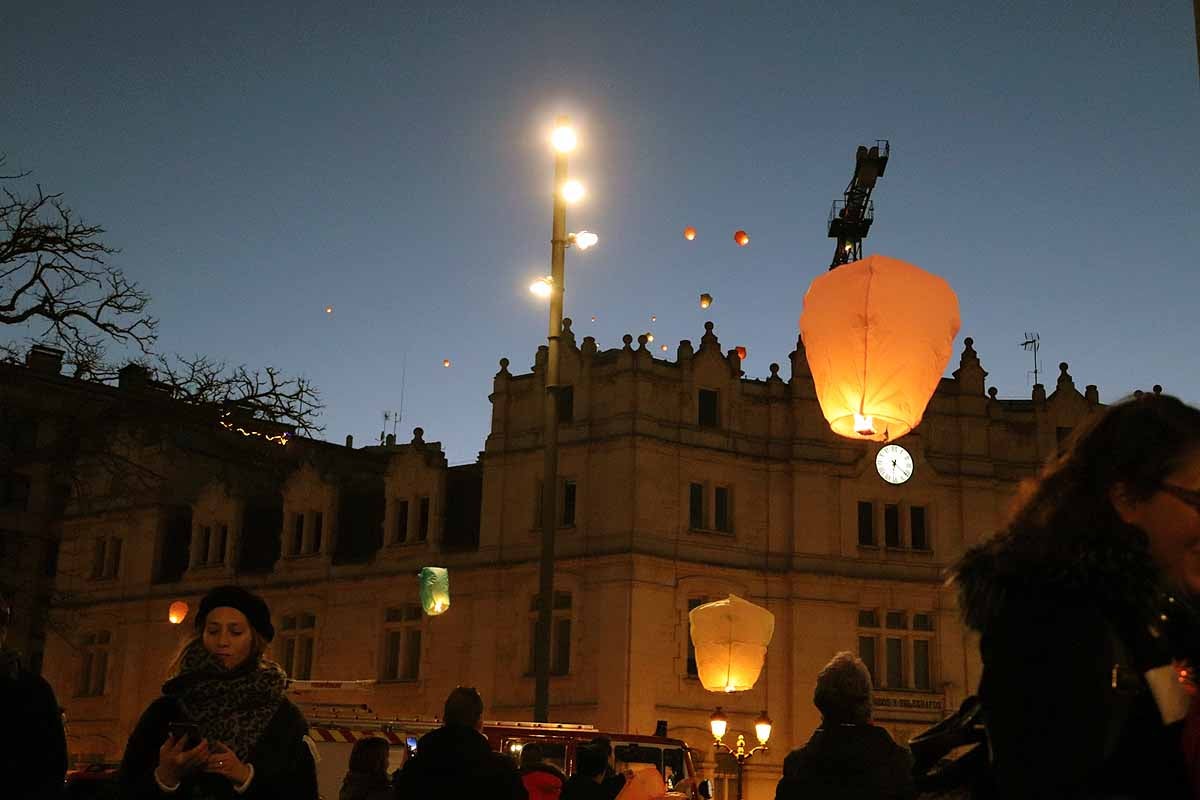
<point x="1084" y="604"/>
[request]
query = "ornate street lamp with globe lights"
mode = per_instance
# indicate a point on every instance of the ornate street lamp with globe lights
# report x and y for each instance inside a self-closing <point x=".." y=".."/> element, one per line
<point x="719" y="724"/>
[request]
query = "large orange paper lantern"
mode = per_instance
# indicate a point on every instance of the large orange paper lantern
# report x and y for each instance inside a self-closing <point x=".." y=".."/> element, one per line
<point x="878" y="335"/>
<point x="741" y="351"/>
<point x="178" y="612"/>
<point x="731" y="638"/>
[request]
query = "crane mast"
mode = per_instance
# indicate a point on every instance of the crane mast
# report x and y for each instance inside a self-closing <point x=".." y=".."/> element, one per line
<point x="851" y="217"/>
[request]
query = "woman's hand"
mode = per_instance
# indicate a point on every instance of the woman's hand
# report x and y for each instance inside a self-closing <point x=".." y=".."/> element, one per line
<point x="175" y="761"/>
<point x="223" y="761"/>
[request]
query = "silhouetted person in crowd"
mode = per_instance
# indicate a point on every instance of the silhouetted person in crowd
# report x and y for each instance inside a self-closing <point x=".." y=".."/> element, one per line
<point x="614" y="781"/>
<point x="1084" y="606"/>
<point x="456" y="761"/>
<point x="847" y="758"/>
<point x="543" y="781"/>
<point x="588" y="781"/>
<point x="367" y="776"/>
<point x="33" y="745"/>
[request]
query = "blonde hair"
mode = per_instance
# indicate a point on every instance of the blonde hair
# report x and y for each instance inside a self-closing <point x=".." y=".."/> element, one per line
<point x="258" y="646"/>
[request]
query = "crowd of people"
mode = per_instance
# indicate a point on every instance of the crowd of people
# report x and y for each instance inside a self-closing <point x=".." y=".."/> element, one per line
<point x="1084" y="603"/>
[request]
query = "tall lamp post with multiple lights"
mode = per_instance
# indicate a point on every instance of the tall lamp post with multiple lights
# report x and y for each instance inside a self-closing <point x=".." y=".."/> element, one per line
<point x="762" y="729"/>
<point x="551" y="287"/>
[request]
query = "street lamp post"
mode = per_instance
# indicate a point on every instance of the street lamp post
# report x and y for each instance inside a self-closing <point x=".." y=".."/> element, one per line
<point x="762" y="729"/>
<point x="564" y="142"/>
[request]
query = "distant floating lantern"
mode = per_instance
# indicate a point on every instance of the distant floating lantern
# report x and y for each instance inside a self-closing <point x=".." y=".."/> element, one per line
<point x="593" y="318"/>
<point x="653" y="318"/>
<point x="663" y="348"/>
<point x="328" y="309"/>
<point x="876" y="364"/>
<point x="435" y="590"/>
<point x="730" y="637"/>
<point x="705" y="300"/>
<point x="742" y="238"/>
<point x="741" y="351"/>
<point x="689" y="233"/>
<point x="649" y="337"/>
<point x="178" y="612"/>
<point x="445" y="362"/>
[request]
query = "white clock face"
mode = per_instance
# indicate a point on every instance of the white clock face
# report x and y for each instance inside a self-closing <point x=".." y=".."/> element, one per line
<point x="894" y="464"/>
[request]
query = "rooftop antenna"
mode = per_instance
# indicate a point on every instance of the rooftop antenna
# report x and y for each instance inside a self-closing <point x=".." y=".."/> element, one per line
<point x="1033" y="342"/>
<point x="395" y="417"/>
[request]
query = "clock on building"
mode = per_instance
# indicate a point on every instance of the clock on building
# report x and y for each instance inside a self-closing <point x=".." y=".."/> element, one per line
<point x="894" y="464"/>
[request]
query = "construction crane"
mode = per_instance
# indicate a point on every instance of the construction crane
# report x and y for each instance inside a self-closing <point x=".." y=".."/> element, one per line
<point x="851" y="217"/>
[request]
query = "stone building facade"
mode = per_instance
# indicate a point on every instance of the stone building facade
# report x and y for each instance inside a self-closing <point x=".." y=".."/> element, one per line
<point x="681" y="481"/>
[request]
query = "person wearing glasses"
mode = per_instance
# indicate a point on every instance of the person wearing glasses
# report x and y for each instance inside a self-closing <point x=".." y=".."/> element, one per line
<point x="1084" y="607"/>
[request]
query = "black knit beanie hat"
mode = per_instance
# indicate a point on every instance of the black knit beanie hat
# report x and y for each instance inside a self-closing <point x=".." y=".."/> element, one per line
<point x="245" y="601"/>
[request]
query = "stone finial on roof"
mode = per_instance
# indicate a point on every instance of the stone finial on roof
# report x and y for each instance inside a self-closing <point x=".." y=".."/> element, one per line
<point x="628" y="340"/>
<point x="567" y="336"/>
<point x="775" y="373"/>
<point x="799" y="358"/>
<point x="642" y="340"/>
<point x="589" y="346"/>
<point x="685" y="350"/>
<point x="970" y="373"/>
<point x="1158" y="388"/>
<point x="709" y="340"/>
<point x="1064" y="377"/>
<point x="1092" y="394"/>
<point x="992" y="392"/>
<point x="503" y="368"/>
<point x="418" y="436"/>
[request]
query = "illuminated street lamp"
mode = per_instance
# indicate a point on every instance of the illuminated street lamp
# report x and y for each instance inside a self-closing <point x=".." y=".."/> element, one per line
<point x="551" y="288"/>
<point x="762" y="730"/>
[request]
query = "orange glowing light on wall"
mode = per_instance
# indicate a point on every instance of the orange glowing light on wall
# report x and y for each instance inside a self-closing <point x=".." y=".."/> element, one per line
<point x="742" y="238"/>
<point x="689" y="233"/>
<point x="178" y="612"/>
<point x="875" y="364"/>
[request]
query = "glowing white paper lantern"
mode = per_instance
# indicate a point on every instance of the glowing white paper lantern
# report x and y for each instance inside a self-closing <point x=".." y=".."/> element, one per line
<point x="731" y="638"/>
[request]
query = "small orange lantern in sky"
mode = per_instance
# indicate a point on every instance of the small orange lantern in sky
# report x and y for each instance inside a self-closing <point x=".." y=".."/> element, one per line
<point x="663" y="348"/>
<point x="689" y="233"/>
<point x="874" y="362"/>
<point x="705" y="300"/>
<point x="742" y="238"/>
<point x="178" y="612"/>
<point x="445" y="362"/>
<point x="741" y="351"/>
<point x="328" y="309"/>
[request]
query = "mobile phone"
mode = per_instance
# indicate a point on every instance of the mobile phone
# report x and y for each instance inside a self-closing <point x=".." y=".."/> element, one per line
<point x="188" y="731"/>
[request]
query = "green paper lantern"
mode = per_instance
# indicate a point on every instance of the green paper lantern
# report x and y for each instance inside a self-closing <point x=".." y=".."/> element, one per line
<point x="435" y="590"/>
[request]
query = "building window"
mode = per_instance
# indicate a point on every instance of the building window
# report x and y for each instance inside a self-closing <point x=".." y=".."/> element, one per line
<point x="723" y="519"/>
<point x="693" y="602"/>
<point x="696" y="506"/>
<point x="106" y="557"/>
<point x="866" y="524"/>
<point x="918" y="534"/>
<point x="318" y="529"/>
<point x="402" y="643"/>
<point x="401" y="534"/>
<point x="298" y="533"/>
<point x="708" y="405"/>
<point x="423" y="520"/>
<point x="907" y="649"/>
<point x="14" y="492"/>
<point x="568" y="505"/>
<point x="560" y="633"/>
<point x="565" y="401"/>
<point x="93" y="665"/>
<point x="891" y="525"/>
<point x="868" y="642"/>
<point x="297" y="638"/>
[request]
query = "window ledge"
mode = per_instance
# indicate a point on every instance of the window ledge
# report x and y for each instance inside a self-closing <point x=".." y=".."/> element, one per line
<point x="206" y="567"/>
<point x="710" y="531"/>
<point x="301" y="556"/>
<point x="405" y="681"/>
<point x="407" y="543"/>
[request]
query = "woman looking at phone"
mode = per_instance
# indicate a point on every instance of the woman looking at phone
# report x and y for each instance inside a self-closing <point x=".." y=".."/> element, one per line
<point x="222" y="728"/>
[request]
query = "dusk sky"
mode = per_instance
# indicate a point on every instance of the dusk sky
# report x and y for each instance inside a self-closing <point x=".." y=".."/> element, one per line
<point x="257" y="162"/>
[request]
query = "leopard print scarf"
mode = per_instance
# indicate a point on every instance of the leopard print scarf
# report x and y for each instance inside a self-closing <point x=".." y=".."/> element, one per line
<point x="229" y="706"/>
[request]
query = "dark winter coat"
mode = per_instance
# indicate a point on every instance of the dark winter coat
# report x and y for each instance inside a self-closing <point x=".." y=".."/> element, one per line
<point x="543" y="781"/>
<point x="847" y="762"/>
<point x="580" y="788"/>
<point x="366" y="786"/>
<point x="33" y="746"/>
<point x="1066" y="643"/>
<point x="283" y="763"/>
<point x="456" y="761"/>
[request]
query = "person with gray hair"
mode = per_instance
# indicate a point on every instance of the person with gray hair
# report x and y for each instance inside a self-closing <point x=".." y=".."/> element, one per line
<point x="847" y="756"/>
